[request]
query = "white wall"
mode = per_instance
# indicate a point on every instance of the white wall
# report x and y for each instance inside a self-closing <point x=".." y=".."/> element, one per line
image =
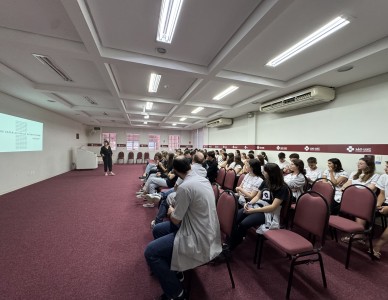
<point x="122" y="138"/>
<point x="357" y="116"/>
<point x="59" y="142"/>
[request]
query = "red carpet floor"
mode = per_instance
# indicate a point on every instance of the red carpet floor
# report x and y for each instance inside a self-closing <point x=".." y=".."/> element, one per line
<point x="81" y="235"/>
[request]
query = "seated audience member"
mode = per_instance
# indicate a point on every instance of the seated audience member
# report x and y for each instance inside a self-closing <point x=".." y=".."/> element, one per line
<point x="265" y="207"/>
<point x="249" y="187"/>
<point x="296" y="180"/>
<point x="364" y="175"/>
<point x="338" y="176"/>
<point x="265" y="157"/>
<point x="230" y="161"/>
<point x="211" y="166"/>
<point x="382" y="205"/>
<point x="249" y="157"/>
<point x="282" y="163"/>
<point x="188" y="155"/>
<point x="286" y="170"/>
<point x="238" y="165"/>
<point x="237" y="153"/>
<point x="243" y="157"/>
<point x="262" y="161"/>
<point x="152" y="166"/>
<point x="184" y="242"/>
<point x="312" y="171"/>
<point x="221" y="159"/>
<point x="224" y="160"/>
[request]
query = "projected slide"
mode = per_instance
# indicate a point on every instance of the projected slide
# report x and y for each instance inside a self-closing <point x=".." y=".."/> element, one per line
<point x="18" y="134"/>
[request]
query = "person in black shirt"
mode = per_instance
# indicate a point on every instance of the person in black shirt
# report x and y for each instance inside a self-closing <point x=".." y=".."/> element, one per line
<point x="106" y="153"/>
<point x="211" y="166"/>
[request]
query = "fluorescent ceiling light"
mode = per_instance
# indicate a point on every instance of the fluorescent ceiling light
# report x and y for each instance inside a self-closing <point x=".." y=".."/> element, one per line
<point x="182" y="119"/>
<point x="173" y="124"/>
<point x="149" y="105"/>
<point x="145" y="123"/>
<point x="313" y="38"/>
<point x="198" y="109"/>
<point x="168" y="18"/>
<point x="226" y="92"/>
<point x="154" y="83"/>
<point x="146" y="116"/>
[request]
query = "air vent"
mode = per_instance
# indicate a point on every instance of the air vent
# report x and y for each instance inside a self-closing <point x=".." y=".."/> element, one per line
<point x="219" y="122"/>
<point x="48" y="62"/>
<point x="90" y="100"/>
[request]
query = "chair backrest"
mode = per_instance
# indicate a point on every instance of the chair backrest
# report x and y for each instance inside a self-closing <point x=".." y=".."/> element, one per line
<point x="221" y="176"/>
<point x="216" y="191"/>
<point x="130" y="155"/>
<point x="240" y="179"/>
<point x="227" y="207"/>
<point x="146" y="155"/>
<point x="326" y="188"/>
<point x="139" y="155"/>
<point x="359" y="201"/>
<point x="230" y="179"/>
<point x="121" y="155"/>
<point x="306" y="184"/>
<point x="312" y="214"/>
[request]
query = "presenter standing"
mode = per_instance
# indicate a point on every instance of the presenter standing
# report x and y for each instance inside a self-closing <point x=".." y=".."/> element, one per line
<point x="106" y="153"/>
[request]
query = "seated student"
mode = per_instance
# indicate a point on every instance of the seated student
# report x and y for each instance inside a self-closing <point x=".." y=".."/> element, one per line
<point x="262" y="161"/>
<point x="286" y="170"/>
<point x="221" y="158"/>
<point x="249" y="187"/>
<point x="338" y="176"/>
<point x="382" y="206"/>
<point x="244" y="157"/>
<point x="152" y="166"/>
<point x="230" y="161"/>
<point x="364" y="175"/>
<point x="246" y="164"/>
<point x="265" y="157"/>
<point x="312" y="171"/>
<point x="223" y="161"/>
<point x="238" y="165"/>
<point x="295" y="180"/>
<point x="265" y="205"/>
<point x="211" y="166"/>
<point x="282" y="163"/>
<point x="184" y="242"/>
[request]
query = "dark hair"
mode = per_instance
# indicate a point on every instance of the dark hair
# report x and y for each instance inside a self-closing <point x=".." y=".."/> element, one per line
<point x="274" y="180"/>
<point x="281" y="155"/>
<point x="211" y="154"/>
<point x="217" y="152"/>
<point x="187" y="152"/>
<point x="106" y="142"/>
<point x="251" y="156"/>
<point x="368" y="172"/>
<point x="238" y="152"/>
<point x="170" y="160"/>
<point x="198" y="158"/>
<point x="337" y="164"/>
<point x="230" y="158"/>
<point x="158" y="155"/>
<point x="238" y="161"/>
<point x="261" y="159"/>
<point x="300" y="165"/>
<point x="181" y="164"/>
<point x="251" y="151"/>
<point x="224" y="156"/>
<point x="294" y="155"/>
<point x="265" y="155"/>
<point x="256" y="167"/>
<point x="312" y="160"/>
<point x="223" y="149"/>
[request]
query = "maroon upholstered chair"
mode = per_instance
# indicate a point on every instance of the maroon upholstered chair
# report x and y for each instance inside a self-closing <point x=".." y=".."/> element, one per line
<point x="227" y="207"/>
<point x="357" y="201"/>
<point x="139" y="157"/>
<point x="230" y="179"/>
<point x="311" y="216"/>
<point x="216" y="191"/>
<point x="146" y="156"/>
<point x="131" y="157"/>
<point x="221" y="176"/>
<point x="120" y="156"/>
<point x="326" y="188"/>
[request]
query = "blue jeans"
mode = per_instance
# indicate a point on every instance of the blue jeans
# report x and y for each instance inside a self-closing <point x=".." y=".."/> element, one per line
<point x="158" y="255"/>
<point x="163" y="206"/>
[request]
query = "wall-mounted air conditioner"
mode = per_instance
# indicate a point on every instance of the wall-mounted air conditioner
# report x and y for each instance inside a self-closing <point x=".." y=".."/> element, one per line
<point x="95" y="130"/>
<point x="219" y="122"/>
<point x="311" y="96"/>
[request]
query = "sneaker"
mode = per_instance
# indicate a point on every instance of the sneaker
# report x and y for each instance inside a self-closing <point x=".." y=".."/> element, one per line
<point x="140" y="192"/>
<point x="106" y="174"/>
<point x="142" y="177"/>
<point x="152" y="224"/>
<point x="148" y="205"/>
<point x="180" y="276"/>
<point x="153" y="198"/>
<point x="140" y="196"/>
<point x="112" y="174"/>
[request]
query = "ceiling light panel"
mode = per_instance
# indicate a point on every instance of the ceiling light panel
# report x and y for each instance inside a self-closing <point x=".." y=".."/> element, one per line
<point x="182" y="119"/>
<point x="197" y="110"/>
<point x="154" y="83"/>
<point x="147" y="117"/>
<point x="168" y="19"/>
<point x="149" y="105"/>
<point x="50" y="63"/>
<point x="226" y="92"/>
<point x="310" y="40"/>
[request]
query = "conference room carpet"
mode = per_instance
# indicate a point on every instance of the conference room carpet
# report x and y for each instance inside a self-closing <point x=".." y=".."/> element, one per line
<point x="81" y="235"/>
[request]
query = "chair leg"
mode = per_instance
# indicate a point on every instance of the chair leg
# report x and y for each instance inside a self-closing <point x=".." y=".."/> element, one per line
<point x="230" y="272"/>
<point x="348" y="252"/>
<point x="322" y="270"/>
<point x="290" y="277"/>
<point x="261" y="243"/>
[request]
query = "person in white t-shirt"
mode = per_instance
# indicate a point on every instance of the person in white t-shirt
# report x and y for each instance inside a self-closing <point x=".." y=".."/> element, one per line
<point x="296" y="180"/>
<point x="249" y="187"/>
<point x="312" y="171"/>
<point x="382" y="205"/>
<point x="282" y="163"/>
<point x="230" y="162"/>
<point x="366" y="176"/>
<point x="336" y="174"/>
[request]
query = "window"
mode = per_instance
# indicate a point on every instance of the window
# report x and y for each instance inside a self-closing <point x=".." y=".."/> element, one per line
<point x="111" y="138"/>
<point x="133" y="141"/>
<point x="153" y="142"/>
<point x="174" y="142"/>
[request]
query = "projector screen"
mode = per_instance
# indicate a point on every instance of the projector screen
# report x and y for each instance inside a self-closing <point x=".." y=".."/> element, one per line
<point x="18" y="134"/>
